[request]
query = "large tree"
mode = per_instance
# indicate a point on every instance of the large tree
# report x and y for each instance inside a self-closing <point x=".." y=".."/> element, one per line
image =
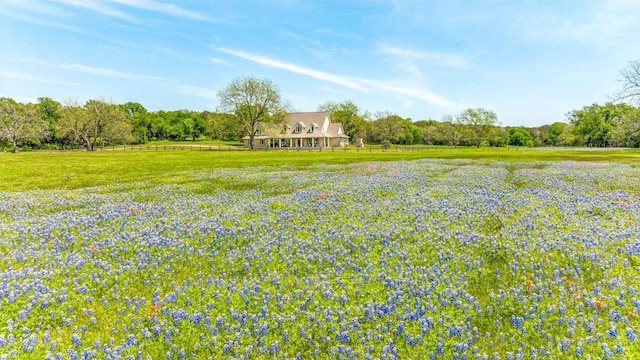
<point x="412" y="133"/>
<point x="49" y="110"/>
<point x="453" y="130"/>
<point x="387" y="127"/>
<point x="20" y="122"/>
<point x="556" y="133"/>
<point x="253" y="101"/>
<point x="630" y="79"/>
<point x="519" y="136"/>
<point x="429" y="128"/>
<point x="593" y="124"/>
<point x="96" y="120"/>
<point x="626" y="131"/>
<point x="222" y="126"/>
<point x="137" y="116"/>
<point x="480" y="122"/>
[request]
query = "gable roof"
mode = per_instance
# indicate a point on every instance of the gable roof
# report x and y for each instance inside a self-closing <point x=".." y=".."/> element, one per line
<point x="306" y="118"/>
<point x="319" y="119"/>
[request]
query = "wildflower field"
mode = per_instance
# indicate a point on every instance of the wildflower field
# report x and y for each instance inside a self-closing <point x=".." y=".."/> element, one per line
<point x="422" y="259"/>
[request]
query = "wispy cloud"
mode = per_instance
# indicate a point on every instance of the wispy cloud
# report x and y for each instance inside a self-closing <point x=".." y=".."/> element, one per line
<point x="442" y="59"/>
<point x="108" y="72"/>
<point x="363" y="85"/>
<point x="419" y="94"/>
<point x="29" y="77"/>
<point x="320" y="75"/>
<point x="26" y="10"/>
<point x="101" y="8"/>
<point x="312" y="46"/>
<point x="169" y="9"/>
<point x="96" y="70"/>
<point x="32" y="6"/>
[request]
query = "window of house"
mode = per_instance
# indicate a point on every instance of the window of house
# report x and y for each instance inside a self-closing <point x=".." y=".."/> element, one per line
<point x="313" y="128"/>
<point x="298" y="129"/>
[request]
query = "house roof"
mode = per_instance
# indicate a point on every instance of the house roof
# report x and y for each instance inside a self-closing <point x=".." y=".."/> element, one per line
<point x="324" y="128"/>
<point x="306" y="118"/>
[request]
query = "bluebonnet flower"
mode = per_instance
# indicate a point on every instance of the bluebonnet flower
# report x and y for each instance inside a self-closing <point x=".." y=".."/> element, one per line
<point x="76" y="340"/>
<point x="630" y="334"/>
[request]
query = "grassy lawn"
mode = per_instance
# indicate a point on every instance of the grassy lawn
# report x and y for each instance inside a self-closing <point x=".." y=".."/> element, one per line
<point x="51" y="170"/>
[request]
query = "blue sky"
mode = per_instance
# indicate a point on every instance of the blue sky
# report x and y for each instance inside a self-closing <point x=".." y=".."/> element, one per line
<point x="529" y="61"/>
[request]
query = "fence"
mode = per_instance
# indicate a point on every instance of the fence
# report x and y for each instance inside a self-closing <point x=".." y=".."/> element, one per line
<point x="191" y="147"/>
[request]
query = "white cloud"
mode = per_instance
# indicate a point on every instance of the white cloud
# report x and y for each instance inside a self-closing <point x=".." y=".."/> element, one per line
<point x="32" y="6"/>
<point x="100" y="8"/>
<point x="26" y="10"/>
<point x="108" y="72"/>
<point x="96" y="71"/>
<point x="169" y="9"/>
<point x="320" y="75"/>
<point x="420" y="94"/>
<point x="442" y="59"/>
<point x="30" y="77"/>
<point x="363" y="85"/>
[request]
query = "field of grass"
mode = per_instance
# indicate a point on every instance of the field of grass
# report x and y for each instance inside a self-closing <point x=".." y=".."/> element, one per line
<point x="435" y="254"/>
<point x="50" y="170"/>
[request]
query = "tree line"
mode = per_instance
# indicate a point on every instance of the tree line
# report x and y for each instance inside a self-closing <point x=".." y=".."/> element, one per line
<point x="246" y="102"/>
<point x="50" y="124"/>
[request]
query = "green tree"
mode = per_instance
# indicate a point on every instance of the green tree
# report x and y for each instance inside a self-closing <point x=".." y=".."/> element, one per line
<point x="137" y="116"/>
<point x="593" y="124"/>
<point x="349" y="115"/>
<point x="253" y="101"/>
<point x="412" y="133"/>
<point x="501" y="137"/>
<point x="387" y="128"/>
<point x="430" y="131"/>
<point x="49" y="110"/>
<point x="96" y="120"/>
<point x="20" y="122"/>
<point x="480" y="122"/>
<point x="556" y="133"/>
<point x="158" y="125"/>
<point x="627" y="130"/>
<point x="520" y="137"/>
<point x="222" y="126"/>
<point x="453" y="130"/>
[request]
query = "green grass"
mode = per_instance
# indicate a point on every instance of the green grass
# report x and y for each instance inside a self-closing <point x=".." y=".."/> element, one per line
<point x="50" y="170"/>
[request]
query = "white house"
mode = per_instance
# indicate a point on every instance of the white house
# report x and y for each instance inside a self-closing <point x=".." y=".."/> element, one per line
<point x="301" y="130"/>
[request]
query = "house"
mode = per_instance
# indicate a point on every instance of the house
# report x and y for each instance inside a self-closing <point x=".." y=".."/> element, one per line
<point x="301" y="130"/>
